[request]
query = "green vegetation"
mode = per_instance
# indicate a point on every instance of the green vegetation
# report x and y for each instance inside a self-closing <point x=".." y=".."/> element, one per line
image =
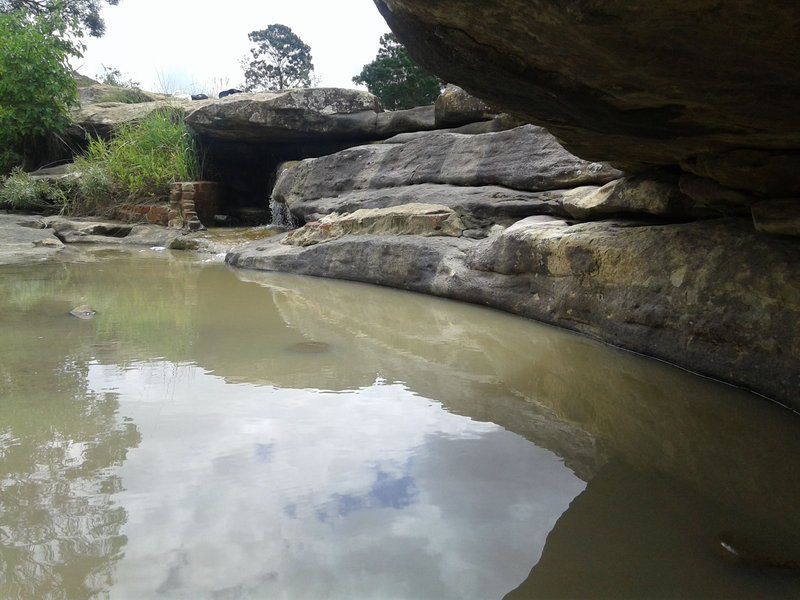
<point x="126" y="96"/>
<point x="396" y="80"/>
<point x="113" y="76"/>
<point x="141" y="161"/>
<point x="128" y="92"/>
<point x="36" y="86"/>
<point x="281" y="60"/>
<point x="21" y="191"/>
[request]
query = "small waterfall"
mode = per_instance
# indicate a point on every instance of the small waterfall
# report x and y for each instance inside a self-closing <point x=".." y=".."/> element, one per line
<point x="282" y="217"/>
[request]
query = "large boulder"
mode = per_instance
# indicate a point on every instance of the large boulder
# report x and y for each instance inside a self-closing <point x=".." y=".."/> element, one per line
<point x="456" y="107"/>
<point x="479" y="207"/>
<point x="304" y="115"/>
<point x="711" y="87"/>
<point x="628" y="196"/>
<point x="104" y="118"/>
<point x="290" y="115"/>
<point x="101" y="92"/>
<point x="526" y="158"/>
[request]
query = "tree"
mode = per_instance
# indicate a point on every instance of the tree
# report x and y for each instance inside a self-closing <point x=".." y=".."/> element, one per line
<point x="396" y="80"/>
<point x="281" y="60"/>
<point x="36" y="85"/>
<point x="113" y="76"/>
<point x="80" y="16"/>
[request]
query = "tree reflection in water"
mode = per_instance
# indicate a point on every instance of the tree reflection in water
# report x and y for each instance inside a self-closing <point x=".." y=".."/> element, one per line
<point x="60" y="530"/>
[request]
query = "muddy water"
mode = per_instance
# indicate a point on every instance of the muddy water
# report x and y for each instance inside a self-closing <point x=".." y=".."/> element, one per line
<point x="214" y="434"/>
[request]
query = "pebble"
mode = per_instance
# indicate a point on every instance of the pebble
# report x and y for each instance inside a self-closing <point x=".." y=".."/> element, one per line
<point x="83" y="312"/>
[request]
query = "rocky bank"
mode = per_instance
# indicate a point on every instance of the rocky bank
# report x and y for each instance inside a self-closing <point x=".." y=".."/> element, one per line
<point x="524" y="226"/>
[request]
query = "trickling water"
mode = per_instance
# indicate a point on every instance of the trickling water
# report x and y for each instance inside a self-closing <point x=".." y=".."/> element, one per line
<point x="281" y="215"/>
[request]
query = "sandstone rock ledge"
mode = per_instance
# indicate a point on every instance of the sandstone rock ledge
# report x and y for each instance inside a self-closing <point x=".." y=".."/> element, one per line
<point x="712" y="296"/>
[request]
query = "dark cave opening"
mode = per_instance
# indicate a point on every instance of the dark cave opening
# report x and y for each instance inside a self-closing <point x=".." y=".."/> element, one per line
<point x="247" y="172"/>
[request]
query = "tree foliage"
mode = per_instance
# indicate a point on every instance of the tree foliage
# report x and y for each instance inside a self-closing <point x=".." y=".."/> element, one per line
<point x="80" y="16"/>
<point x="280" y="60"/>
<point x="396" y="80"/>
<point x="36" y="85"/>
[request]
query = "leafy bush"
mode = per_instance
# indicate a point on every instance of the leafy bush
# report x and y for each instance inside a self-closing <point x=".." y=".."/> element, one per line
<point x="36" y="86"/>
<point x="141" y="161"/>
<point x="21" y="191"/>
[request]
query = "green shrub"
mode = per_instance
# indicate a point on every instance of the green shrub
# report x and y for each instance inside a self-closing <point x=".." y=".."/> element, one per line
<point x="95" y="191"/>
<point x="21" y="191"/>
<point x="140" y="161"/>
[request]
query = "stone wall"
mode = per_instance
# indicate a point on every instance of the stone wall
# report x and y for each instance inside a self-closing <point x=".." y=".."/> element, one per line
<point x="153" y="213"/>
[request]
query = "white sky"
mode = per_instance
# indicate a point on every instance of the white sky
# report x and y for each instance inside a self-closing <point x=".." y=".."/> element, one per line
<point x="191" y="46"/>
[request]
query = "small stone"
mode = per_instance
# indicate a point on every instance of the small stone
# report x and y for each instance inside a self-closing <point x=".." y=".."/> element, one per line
<point x="49" y="243"/>
<point x="309" y="347"/>
<point x="83" y="312"/>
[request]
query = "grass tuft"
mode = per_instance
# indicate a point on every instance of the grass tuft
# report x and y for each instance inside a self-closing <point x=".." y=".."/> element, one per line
<point x="20" y="191"/>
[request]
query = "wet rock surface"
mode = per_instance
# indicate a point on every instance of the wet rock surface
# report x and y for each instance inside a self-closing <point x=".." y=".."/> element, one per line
<point x="83" y="312"/>
<point x="86" y="231"/>
<point x="23" y="238"/>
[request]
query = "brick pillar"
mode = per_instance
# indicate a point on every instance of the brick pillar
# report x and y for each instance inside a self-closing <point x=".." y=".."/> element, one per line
<point x="175" y="213"/>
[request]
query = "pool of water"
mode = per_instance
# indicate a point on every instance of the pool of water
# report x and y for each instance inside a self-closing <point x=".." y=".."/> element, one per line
<point x="221" y="434"/>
